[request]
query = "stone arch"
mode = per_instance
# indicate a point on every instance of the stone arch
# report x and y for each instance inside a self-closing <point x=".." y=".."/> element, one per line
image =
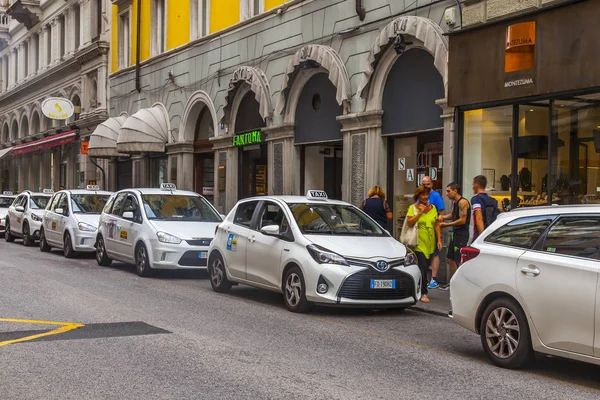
<point x="24" y="126"/>
<point x="76" y="101"/>
<point x="35" y="122"/>
<point x="5" y="132"/>
<point x="381" y="57"/>
<point x="256" y="80"/>
<point x="74" y="91"/>
<point x="197" y="102"/>
<point x="316" y="56"/>
<point x="14" y="128"/>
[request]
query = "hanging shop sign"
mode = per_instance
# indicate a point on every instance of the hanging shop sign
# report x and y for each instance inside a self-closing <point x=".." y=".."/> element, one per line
<point x="246" y="139"/>
<point x="520" y="46"/>
<point x="57" y="108"/>
<point x="84" y="147"/>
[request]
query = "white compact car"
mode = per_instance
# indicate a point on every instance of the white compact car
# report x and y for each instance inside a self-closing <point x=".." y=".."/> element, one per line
<point x="6" y="200"/>
<point x="25" y="216"/>
<point x="313" y="250"/>
<point x="71" y="220"/>
<point x="530" y="283"/>
<point x="156" y="229"/>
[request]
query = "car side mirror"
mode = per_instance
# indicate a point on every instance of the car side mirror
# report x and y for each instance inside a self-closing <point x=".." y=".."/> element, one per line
<point x="59" y="211"/>
<point x="128" y="215"/>
<point x="270" y="230"/>
<point x="19" y="209"/>
<point x="223" y="216"/>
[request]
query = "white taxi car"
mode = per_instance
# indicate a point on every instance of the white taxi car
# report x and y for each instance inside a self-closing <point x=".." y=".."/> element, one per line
<point x="530" y="283"/>
<point x="71" y="220"/>
<point x="6" y="200"/>
<point x="25" y="216"/>
<point x="156" y="229"/>
<point x="313" y="250"/>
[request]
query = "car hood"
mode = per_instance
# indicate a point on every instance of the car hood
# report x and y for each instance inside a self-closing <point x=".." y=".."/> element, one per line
<point x="187" y="229"/>
<point x="90" y="219"/>
<point x="360" y="246"/>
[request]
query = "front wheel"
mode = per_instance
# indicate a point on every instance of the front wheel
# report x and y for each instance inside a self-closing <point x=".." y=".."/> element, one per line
<point x="142" y="261"/>
<point x="27" y="239"/>
<point x="44" y="246"/>
<point x="294" y="291"/>
<point x="101" y="257"/>
<point x="8" y="236"/>
<point x="68" y="246"/>
<point x="218" y="275"/>
<point x="505" y="335"/>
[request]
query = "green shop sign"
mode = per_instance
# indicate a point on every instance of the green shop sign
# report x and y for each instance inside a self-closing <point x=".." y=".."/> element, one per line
<point x="245" y="139"/>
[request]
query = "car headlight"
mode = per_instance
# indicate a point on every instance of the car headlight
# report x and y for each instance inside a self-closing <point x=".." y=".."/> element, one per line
<point x="410" y="258"/>
<point x="166" y="238"/>
<point x="324" y="256"/>
<point x="36" y="218"/>
<point x="86" y="227"/>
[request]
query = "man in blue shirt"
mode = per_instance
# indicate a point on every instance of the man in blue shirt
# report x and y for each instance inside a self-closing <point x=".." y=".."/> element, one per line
<point x="436" y="199"/>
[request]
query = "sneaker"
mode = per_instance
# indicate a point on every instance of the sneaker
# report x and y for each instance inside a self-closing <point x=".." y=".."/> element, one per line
<point x="444" y="287"/>
<point x="425" y="299"/>
<point x="433" y="284"/>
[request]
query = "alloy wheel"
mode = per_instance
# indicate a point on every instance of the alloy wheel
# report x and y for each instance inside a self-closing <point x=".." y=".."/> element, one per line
<point x="141" y="260"/>
<point x="293" y="289"/>
<point x="100" y="250"/>
<point x="216" y="274"/>
<point x="502" y="332"/>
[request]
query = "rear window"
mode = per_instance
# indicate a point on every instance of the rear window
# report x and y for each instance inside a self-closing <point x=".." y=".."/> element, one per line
<point x="522" y="233"/>
<point x="5" y="202"/>
<point x="577" y="236"/>
<point x="39" y="202"/>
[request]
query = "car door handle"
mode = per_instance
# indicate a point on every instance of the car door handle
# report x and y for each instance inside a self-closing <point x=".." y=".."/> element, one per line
<point x="251" y="239"/>
<point x="119" y="227"/>
<point x="531" y="269"/>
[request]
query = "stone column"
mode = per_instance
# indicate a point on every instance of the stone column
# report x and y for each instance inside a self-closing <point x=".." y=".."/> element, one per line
<point x="185" y="164"/>
<point x="85" y="23"/>
<point x="284" y="160"/>
<point x="69" y="31"/>
<point x="54" y="37"/>
<point x="101" y="85"/>
<point x="12" y="69"/>
<point x="20" y="73"/>
<point x="32" y="56"/>
<point x="42" y="48"/>
<point x="59" y="40"/>
<point x="3" y="71"/>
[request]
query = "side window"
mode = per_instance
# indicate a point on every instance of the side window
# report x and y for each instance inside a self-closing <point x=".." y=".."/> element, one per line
<point x="55" y="201"/>
<point x="62" y="203"/>
<point x="118" y="205"/>
<point x="24" y="202"/>
<point x="132" y="205"/>
<point x="577" y="236"/>
<point x="522" y="233"/>
<point x="272" y="214"/>
<point x="19" y="201"/>
<point x="108" y="207"/>
<point x="244" y="213"/>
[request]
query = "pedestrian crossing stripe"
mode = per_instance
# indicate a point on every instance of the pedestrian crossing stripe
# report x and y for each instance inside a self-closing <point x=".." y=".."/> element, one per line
<point x="62" y="328"/>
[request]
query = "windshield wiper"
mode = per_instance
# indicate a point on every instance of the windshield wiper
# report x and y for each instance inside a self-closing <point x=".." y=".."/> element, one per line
<point x="316" y="232"/>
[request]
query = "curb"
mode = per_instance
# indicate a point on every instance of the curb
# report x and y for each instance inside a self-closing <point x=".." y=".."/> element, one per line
<point x="430" y="311"/>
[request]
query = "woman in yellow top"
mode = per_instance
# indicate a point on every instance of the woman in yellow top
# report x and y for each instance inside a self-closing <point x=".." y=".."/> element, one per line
<point x="426" y="216"/>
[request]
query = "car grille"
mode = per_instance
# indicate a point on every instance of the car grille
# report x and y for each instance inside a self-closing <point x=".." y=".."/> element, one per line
<point x="190" y="259"/>
<point x="199" y="242"/>
<point x="373" y="264"/>
<point x="358" y="286"/>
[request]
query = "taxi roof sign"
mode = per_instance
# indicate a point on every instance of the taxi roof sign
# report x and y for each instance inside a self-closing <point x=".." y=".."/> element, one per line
<point x="317" y="194"/>
<point x="93" y="187"/>
<point x="48" y="191"/>
<point x="7" y="193"/>
<point x="168" y="186"/>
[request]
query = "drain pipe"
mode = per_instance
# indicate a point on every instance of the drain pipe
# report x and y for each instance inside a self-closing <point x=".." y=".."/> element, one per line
<point x="459" y="12"/>
<point x="101" y="170"/>
<point x="360" y="10"/>
<point x="138" y="84"/>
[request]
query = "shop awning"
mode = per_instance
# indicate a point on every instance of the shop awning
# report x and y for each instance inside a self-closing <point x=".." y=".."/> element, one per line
<point x="145" y="131"/>
<point x="103" y="141"/>
<point x="5" y="152"/>
<point x="45" y="143"/>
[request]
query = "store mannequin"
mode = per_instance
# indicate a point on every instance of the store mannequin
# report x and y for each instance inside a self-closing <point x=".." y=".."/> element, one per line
<point x="505" y="183"/>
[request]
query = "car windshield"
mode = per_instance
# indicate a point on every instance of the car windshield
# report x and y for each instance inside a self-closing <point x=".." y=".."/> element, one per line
<point x="173" y="207"/>
<point x="5" y="202"/>
<point x="38" y="202"/>
<point x="88" y="203"/>
<point x="332" y="219"/>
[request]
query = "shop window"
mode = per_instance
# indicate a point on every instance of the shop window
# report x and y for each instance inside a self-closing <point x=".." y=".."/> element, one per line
<point x="158" y="171"/>
<point x="577" y="236"/>
<point x="76" y="35"/>
<point x="125" y="39"/>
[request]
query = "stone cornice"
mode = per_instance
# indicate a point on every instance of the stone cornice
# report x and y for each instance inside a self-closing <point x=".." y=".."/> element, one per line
<point x="279" y="132"/>
<point x="221" y="143"/>
<point x="180" y="148"/>
<point x="361" y="121"/>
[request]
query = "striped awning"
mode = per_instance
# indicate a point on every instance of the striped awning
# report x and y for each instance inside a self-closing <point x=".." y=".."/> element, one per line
<point x="103" y="141"/>
<point x="145" y="131"/>
<point x="45" y="143"/>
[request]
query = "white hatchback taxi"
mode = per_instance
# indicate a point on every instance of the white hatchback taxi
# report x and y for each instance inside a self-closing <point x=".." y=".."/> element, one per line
<point x="313" y="250"/>
<point x="71" y="220"/>
<point x="530" y="283"/>
<point x="25" y="216"/>
<point x="161" y="228"/>
<point x="6" y="201"/>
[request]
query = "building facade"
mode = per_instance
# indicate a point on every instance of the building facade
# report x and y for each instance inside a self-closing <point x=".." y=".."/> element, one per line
<point x="51" y="48"/>
<point x="528" y="105"/>
<point x="256" y="97"/>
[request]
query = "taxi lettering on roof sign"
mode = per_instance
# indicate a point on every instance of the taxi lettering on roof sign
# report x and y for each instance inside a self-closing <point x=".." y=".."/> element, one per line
<point x="168" y="186"/>
<point x="93" y="187"/>
<point x="48" y="191"/>
<point x="7" y="193"/>
<point x="317" y="194"/>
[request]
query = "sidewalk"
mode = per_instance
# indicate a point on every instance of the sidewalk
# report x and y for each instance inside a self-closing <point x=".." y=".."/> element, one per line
<point x="439" y="305"/>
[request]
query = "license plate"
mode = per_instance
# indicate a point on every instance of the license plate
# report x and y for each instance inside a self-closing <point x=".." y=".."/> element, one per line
<point x="203" y="254"/>
<point x="383" y="284"/>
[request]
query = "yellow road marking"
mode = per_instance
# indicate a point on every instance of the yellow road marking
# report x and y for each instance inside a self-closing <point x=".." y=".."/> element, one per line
<point x="63" y="327"/>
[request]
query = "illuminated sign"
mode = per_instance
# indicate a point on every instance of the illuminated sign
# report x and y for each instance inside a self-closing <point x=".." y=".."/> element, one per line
<point x="520" y="47"/>
<point x="57" y="108"/>
<point x="245" y="139"/>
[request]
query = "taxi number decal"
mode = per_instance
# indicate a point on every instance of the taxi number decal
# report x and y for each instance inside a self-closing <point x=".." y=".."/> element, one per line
<point x="232" y="242"/>
<point x="53" y="224"/>
<point x="124" y="235"/>
<point x="18" y="220"/>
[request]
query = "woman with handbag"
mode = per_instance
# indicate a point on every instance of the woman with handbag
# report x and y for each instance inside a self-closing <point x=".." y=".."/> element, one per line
<point x="376" y="207"/>
<point x="425" y="217"/>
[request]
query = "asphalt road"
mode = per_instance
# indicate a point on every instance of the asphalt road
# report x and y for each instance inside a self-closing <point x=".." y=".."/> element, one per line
<point x="171" y="337"/>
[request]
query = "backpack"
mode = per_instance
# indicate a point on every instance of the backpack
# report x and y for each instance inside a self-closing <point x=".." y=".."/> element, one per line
<point x="490" y="212"/>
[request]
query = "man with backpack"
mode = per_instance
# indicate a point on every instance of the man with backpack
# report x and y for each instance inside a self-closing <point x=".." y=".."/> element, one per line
<point x="485" y="208"/>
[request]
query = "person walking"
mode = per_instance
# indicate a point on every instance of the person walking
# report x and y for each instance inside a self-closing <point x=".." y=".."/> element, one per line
<point x="425" y="216"/>
<point x="460" y="218"/>
<point x="436" y="199"/>
<point x="376" y="207"/>
<point x="485" y="208"/>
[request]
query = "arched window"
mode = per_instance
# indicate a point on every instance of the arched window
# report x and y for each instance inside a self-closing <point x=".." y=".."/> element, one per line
<point x="77" y="105"/>
<point x="24" y="129"/>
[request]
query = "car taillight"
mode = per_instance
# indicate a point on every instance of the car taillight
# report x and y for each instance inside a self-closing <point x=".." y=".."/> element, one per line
<point x="468" y="253"/>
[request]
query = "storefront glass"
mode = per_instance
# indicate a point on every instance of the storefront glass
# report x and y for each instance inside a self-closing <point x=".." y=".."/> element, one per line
<point x="322" y="169"/>
<point x="158" y="171"/>
<point x="253" y="171"/>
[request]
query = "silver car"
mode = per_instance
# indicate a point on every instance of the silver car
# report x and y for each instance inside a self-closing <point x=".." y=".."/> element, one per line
<point x="6" y="201"/>
<point x="25" y="216"/>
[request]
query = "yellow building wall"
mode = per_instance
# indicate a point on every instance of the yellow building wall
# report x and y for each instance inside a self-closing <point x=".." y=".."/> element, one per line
<point x="271" y="4"/>
<point x="178" y="23"/>
<point x="114" y="46"/>
<point x="223" y="14"/>
<point x="134" y="6"/>
<point x="145" y="29"/>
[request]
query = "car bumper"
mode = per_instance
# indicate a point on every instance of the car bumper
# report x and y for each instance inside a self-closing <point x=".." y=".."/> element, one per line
<point x="178" y="256"/>
<point x="35" y="227"/>
<point x="464" y="302"/>
<point x="350" y="286"/>
<point x="84" y="242"/>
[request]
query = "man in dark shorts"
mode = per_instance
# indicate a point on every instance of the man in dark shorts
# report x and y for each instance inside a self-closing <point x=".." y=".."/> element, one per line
<point x="460" y="218"/>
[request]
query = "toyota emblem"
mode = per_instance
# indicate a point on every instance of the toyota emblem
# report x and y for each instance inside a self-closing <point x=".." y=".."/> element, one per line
<point x="382" y="266"/>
